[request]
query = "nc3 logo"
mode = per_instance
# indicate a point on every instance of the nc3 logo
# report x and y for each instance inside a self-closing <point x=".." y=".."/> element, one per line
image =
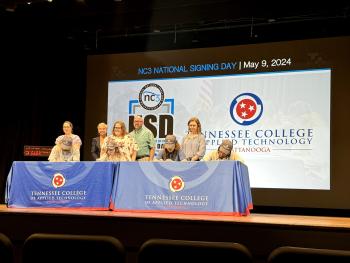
<point x="151" y="96"/>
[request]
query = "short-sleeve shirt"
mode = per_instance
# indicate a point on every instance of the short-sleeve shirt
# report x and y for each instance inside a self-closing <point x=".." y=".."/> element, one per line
<point x="214" y="156"/>
<point x="75" y="139"/>
<point x="125" y="145"/>
<point x="144" y="139"/>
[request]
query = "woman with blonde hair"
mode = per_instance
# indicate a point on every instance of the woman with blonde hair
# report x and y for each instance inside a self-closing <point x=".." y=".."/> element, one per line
<point x="119" y="146"/>
<point x="193" y="144"/>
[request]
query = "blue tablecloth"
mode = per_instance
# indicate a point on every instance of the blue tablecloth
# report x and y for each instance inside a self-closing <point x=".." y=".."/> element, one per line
<point x="85" y="185"/>
<point x="218" y="187"/>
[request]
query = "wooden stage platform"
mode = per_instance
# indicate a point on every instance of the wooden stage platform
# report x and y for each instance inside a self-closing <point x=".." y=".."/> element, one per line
<point x="260" y="233"/>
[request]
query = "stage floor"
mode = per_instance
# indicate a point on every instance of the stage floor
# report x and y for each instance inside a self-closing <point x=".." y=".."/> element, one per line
<point x="274" y="219"/>
<point x="260" y="233"/>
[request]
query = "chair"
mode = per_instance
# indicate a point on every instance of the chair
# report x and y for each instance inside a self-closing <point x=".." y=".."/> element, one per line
<point x="6" y="249"/>
<point x="165" y="250"/>
<point x="299" y="255"/>
<point x="72" y="248"/>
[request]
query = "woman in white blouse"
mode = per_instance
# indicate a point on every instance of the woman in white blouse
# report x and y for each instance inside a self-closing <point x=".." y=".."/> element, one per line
<point x="67" y="148"/>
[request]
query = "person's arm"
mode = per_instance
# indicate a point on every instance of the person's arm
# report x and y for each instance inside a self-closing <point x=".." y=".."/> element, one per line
<point x="152" y="144"/>
<point x="94" y="149"/>
<point x="76" y="139"/>
<point x="133" y="147"/>
<point x="201" y="149"/>
<point x="133" y="156"/>
<point x="207" y="157"/>
<point x="159" y="156"/>
<point x="195" y="158"/>
<point x="53" y="154"/>
<point x="151" y="154"/>
<point x="104" y="147"/>
<point x="76" y="153"/>
<point x="59" y="139"/>
<point x="180" y="155"/>
<point x="236" y="157"/>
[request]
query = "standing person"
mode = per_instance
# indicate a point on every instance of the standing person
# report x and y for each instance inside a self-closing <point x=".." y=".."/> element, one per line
<point x="119" y="146"/>
<point x="193" y="144"/>
<point x="170" y="151"/>
<point x="224" y="152"/>
<point x="67" y="146"/>
<point x="144" y="139"/>
<point x="97" y="142"/>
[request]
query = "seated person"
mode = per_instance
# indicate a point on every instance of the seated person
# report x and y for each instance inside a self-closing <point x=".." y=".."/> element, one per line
<point x="64" y="151"/>
<point x="224" y="152"/>
<point x="111" y="152"/>
<point x="170" y="151"/>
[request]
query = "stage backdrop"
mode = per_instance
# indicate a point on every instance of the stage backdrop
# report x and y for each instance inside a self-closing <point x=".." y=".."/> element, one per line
<point x="279" y="122"/>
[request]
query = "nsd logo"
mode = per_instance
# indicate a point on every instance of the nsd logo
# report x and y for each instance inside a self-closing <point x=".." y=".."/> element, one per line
<point x="246" y="109"/>
<point x="58" y="180"/>
<point x="176" y="184"/>
<point x="157" y="112"/>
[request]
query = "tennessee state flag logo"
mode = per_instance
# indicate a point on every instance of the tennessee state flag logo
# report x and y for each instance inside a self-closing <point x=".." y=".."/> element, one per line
<point x="176" y="184"/>
<point x="246" y="109"/>
<point x="58" y="180"/>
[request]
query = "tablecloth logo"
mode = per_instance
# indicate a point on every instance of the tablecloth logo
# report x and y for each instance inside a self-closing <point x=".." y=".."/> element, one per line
<point x="246" y="109"/>
<point x="58" y="180"/>
<point x="176" y="184"/>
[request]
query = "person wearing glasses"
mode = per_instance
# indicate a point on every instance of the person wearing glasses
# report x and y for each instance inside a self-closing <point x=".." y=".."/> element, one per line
<point x="119" y="146"/>
<point x="144" y="139"/>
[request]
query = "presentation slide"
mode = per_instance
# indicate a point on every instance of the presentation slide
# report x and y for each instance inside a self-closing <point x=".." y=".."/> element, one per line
<point x="282" y="104"/>
<point x="273" y="119"/>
